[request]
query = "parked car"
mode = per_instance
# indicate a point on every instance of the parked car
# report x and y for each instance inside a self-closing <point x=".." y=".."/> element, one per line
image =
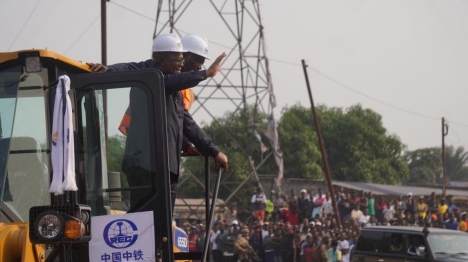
<point x="392" y="244"/>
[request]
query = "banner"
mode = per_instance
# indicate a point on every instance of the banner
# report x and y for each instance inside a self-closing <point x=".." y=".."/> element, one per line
<point x="122" y="238"/>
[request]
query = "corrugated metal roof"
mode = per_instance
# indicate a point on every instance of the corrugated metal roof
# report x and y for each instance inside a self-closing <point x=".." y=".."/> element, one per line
<point x="379" y="189"/>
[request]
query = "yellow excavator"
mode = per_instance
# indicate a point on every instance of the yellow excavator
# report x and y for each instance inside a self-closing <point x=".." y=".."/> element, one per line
<point x="100" y="221"/>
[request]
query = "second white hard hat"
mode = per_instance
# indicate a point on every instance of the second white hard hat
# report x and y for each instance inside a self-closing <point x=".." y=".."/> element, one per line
<point x="196" y="44"/>
<point x="167" y="43"/>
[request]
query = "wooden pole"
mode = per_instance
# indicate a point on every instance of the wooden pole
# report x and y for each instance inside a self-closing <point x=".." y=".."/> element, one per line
<point x="322" y="147"/>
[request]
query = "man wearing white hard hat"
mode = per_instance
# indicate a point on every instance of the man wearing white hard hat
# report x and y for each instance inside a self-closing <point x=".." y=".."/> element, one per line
<point x="168" y="57"/>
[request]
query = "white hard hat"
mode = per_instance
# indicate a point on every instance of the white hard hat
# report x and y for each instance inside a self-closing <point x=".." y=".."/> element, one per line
<point x="196" y="44"/>
<point x="167" y="43"/>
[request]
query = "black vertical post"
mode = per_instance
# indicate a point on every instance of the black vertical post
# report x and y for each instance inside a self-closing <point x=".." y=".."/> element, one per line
<point x="207" y="197"/>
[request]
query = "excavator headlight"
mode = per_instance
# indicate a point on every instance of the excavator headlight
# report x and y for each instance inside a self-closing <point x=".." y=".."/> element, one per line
<point x="33" y="64"/>
<point x="66" y="224"/>
<point x="49" y="225"/>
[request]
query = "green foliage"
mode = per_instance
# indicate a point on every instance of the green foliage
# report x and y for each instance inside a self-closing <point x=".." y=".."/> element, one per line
<point x="425" y="166"/>
<point x="115" y="153"/>
<point x="456" y="164"/>
<point x="234" y="135"/>
<point x="298" y="143"/>
<point x="360" y="148"/>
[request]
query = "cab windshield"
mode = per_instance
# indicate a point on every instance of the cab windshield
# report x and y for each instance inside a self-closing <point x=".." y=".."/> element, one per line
<point x="443" y="245"/>
<point x="23" y="143"/>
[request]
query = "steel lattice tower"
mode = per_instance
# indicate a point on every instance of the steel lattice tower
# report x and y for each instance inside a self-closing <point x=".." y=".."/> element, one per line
<point x="245" y="77"/>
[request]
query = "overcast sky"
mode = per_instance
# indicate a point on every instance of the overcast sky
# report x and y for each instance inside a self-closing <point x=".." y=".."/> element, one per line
<point x="406" y="60"/>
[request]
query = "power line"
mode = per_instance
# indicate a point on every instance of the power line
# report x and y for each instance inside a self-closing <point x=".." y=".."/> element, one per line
<point x="24" y="24"/>
<point x="316" y="71"/>
<point x="84" y="32"/>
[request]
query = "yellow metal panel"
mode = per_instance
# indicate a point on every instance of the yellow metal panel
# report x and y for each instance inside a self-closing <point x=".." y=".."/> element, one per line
<point x="15" y="245"/>
<point x="7" y="56"/>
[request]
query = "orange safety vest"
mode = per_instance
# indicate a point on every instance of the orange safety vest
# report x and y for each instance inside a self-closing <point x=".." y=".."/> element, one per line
<point x="187" y="95"/>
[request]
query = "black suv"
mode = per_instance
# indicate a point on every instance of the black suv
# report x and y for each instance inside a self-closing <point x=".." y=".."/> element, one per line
<point x="392" y="244"/>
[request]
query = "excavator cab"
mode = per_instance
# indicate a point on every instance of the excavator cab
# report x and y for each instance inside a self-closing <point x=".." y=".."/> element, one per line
<point x="121" y="179"/>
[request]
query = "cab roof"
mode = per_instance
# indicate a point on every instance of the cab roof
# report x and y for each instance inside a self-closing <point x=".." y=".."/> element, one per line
<point x="45" y="53"/>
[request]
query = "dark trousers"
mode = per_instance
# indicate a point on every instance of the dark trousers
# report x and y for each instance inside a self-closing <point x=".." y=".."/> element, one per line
<point x="217" y="255"/>
<point x="269" y="256"/>
<point x="287" y="255"/>
<point x="174" y="180"/>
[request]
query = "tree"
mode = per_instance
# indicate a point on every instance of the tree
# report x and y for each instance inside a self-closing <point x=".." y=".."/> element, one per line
<point x="298" y="144"/>
<point x="425" y="166"/>
<point x="235" y="135"/>
<point x="115" y="153"/>
<point x="456" y="163"/>
<point x="359" y="147"/>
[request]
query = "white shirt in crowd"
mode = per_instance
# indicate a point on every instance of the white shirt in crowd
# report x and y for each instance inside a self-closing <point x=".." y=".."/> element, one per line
<point x="328" y="207"/>
<point x="213" y="239"/>
<point x="389" y="213"/>
<point x="356" y="214"/>
<point x="344" y="244"/>
<point x="364" y="219"/>
<point x="262" y="198"/>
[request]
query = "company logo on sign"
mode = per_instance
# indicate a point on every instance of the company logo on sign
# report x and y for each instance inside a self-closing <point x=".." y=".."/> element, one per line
<point x="120" y="233"/>
<point x="180" y="240"/>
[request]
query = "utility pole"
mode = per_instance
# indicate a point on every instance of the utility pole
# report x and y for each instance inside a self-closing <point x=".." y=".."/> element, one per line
<point x="104" y="59"/>
<point x="322" y="146"/>
<point x="444" y="177"/>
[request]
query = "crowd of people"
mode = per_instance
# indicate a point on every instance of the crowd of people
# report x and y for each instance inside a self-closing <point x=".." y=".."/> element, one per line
<point x="304" y="228"/>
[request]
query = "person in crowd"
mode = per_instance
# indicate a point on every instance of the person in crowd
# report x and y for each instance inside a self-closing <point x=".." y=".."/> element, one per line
<point x="334" y="254"/>
<point x="389" y="211"/>
<point x="256" y="241"/>
<point x="265" y="229"/>
<point x="416" y="243"/>
<point x="268" y="247"/>
<point x="371" y="204"/>
<point x="192" y="238"/>
<point x="242" y="247"/>
<point x="293" y="208"/>
<point x="410" y="205"/>
<point x="400" y="205"/>
<point x="432" y="203"/>
<point x="328" y="206"/>
<point x="217" y="244"/>
<point x="462" y="223"/>
<point x="270" y="207"/>
<point x="396" y="246"/>
<point x="421" y="208"/>
<point x="356" y="213"/>
<point x="442" y="207"/>
<point x="451" y="206"/>
<point x="308" y="249"/>
<point x="258" y="202"/>
<point x="228" y="245"/>
<point x="379" y="208"/>
<point x="319" y="200"/>
<point x="286" y="244"/>
<point x="452" y="224"/>
<point x="277" y="245"/>
<point x="365" y="218"/>
<point x="303" y="205"/>
<point x="363" y="202"/>
<point x="343" y="246"/>
<point x="321" y="252"/>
